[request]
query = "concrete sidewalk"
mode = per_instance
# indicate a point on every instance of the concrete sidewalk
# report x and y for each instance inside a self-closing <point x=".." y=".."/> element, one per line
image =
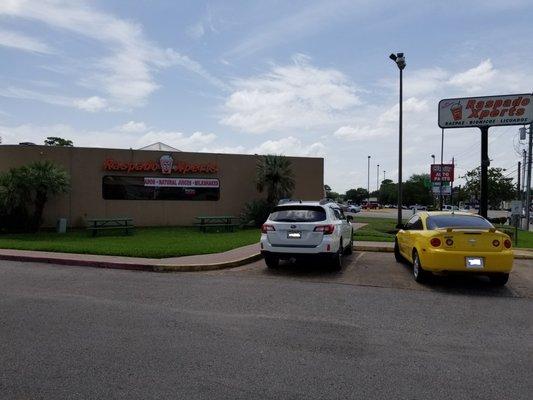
<point x="203" y="262"/>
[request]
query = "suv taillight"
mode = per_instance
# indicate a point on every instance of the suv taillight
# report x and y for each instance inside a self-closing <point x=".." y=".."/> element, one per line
<point x="266" y="228"/>
<point x="326" y="229"/>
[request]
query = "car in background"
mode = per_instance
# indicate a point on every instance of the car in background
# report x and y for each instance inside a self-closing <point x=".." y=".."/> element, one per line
<point x="354" y="208"/>
<point x="445" y="242"/>
<point x="306" y="229"/>
<point x="418" y="207"/>
<point x="448" y="207"/>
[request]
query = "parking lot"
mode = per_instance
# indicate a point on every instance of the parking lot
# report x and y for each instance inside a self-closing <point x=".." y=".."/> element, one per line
<point x="298" y="332"/>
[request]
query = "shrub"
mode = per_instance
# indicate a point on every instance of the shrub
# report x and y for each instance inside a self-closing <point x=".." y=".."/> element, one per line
<point x="256" y="212"/>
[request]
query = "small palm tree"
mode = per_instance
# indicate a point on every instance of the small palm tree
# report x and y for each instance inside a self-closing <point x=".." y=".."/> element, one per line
<point x="275" y="176"/>
<point x="45" y="179"/>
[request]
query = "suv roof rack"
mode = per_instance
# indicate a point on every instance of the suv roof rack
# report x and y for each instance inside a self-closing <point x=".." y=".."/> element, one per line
<point x="326" y="201"/>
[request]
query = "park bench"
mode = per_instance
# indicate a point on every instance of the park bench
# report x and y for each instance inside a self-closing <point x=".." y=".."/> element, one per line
<point x="225" y="222"/>
<point x="101" y="224"/>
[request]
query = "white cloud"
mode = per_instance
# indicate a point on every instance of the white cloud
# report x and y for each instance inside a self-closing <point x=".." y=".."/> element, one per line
<point x="360" y="133"/>
<point x="91" y="104"/>
<point x="179" y="140"/>
<point x="196" y="31"/>
<point x="133" y="127"/>
<point x="475" y="78"/>
<point x="289" y="146"/>
<point x="296" y="96"/>
<point x="126" y="75"/>
<point x="22" y="42"/>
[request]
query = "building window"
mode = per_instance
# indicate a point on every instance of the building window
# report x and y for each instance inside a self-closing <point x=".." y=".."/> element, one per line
<point x="160" y="188"/>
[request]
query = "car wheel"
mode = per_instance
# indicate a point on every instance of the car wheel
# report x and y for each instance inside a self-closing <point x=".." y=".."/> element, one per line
<point x="397" y="255"/>
<point x="349" y="249"/>
<point x="499" y="279"/>
<point x="418" y="272"/>
<point x="271" y="261"/>
<point x="336" y="260"/>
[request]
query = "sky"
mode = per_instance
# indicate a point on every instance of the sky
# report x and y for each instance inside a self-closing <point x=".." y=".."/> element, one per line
<point x="299" y="78"/>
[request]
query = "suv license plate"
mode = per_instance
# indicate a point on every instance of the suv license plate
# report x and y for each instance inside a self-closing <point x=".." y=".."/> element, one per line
<point x="474" y="262"/>
<point x="294" y="235"/>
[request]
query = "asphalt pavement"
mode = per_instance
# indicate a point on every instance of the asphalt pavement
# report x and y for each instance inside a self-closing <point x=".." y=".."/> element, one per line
<point x="298" y="332"/>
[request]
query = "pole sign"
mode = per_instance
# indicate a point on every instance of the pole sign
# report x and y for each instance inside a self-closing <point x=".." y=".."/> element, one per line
<point x="446" y="189"/>
<point x="516" y="109"/>
<point x="447" y="173"/>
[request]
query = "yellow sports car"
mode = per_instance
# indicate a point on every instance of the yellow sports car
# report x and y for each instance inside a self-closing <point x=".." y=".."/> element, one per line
<point x="454" y="241"/>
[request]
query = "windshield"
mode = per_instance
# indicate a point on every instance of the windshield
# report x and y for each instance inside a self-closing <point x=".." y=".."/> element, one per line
<point x="298" y="214"/>
<point x="457" y="221"/>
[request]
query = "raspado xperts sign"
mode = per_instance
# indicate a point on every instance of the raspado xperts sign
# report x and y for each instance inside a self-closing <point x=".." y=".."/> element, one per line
<point x="486" y="111"/>
<point x="164" y="165"/>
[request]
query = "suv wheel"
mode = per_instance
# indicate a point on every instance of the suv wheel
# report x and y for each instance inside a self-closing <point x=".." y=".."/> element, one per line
<point x="336" y="261"/>
<point x="271" y="261"/>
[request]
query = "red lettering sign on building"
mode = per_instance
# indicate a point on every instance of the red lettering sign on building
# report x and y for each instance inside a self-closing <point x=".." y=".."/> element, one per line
<point x="164" y="165"/>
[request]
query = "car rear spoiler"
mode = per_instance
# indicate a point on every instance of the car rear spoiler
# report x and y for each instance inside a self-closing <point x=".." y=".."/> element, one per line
<point x="450" y="229"/>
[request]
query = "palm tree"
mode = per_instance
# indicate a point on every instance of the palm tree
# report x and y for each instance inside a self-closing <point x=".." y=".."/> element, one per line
<point x="45" y="179"/>
<point x="26" y="187"/>
<point x="274" y="174"/>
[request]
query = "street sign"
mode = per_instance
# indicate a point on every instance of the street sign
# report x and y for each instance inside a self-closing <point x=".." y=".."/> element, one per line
<point x="446" y="189"/>
<point x="486" y="111"/>
<point x="516" y="207"/>
<point x="447" y="173"/>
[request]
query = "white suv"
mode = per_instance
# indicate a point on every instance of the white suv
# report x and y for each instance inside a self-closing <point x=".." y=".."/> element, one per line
<point x="298" y="229"/>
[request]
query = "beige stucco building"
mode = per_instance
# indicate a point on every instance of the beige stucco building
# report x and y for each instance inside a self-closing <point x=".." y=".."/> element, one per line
<point x="155" y="187"/>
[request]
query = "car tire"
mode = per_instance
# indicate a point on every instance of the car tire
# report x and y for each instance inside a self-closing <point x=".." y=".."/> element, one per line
<point x="499" y="279"/>
<point x="419" y="274"/>
<point x="336" y="259"/>
<point x="397" y="255"/>
<point x="271" y="261"/>
<point x="349" y="250"/>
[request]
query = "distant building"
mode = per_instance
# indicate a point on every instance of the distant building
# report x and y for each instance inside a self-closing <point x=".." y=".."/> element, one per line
<point x="158" y="146"/>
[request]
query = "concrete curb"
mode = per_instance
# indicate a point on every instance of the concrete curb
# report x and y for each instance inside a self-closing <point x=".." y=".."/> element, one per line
<point x="133" y="266"/>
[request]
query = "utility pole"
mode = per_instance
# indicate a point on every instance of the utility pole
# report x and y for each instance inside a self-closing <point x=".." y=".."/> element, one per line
<point x="523" y="189"/>
<point x="518" y="187"/>
<point x="377" y="179"/>
<point x="368" y="184"/>
<point x="451" y="183"/>
<point x="528" y="184"/>
<point x="441" y="157"/>
<point x="384" y="174"/>
<point x="485" y="162"/>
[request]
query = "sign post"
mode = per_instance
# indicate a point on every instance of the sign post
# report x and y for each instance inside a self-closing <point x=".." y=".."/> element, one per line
<point x="516" y="214"/>
<point x="484" y="112"/>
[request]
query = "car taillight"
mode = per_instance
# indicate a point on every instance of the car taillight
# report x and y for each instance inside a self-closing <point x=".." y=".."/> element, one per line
<point x="496" y="243"/>
<point x="449" y="242"/>
<point x="435" y="242"/>
<point x="266" y="228"/>
<point x="326" y="229"/>
<point x="507" y="243"/>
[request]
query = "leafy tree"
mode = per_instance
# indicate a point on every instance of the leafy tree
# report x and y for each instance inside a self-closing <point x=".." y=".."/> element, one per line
<point x="415" y="190"/>
<point x="57" y="141"/>
<point x="24" y="192"/>
<point x="274" y="175"/>
<point x="388" y="192"/>
<point x="356" y="195"/>
<point x="500" y="188"/>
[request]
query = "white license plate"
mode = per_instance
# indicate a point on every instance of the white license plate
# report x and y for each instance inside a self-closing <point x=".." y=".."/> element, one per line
<point x="474" y="262"/>
<point x="294" y="235"/>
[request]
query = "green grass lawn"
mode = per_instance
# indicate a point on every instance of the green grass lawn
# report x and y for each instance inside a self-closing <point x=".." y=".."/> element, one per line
<point x="145" y="242"/>
<point x="377" y="230"/>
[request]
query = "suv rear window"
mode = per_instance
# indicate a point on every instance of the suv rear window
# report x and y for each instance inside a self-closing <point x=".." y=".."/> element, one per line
<point x="457" y="221"/>
<point x="298" y="214"/>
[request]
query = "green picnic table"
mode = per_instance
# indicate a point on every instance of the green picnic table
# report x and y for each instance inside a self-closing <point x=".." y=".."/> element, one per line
<point x="216" y="221"/>
<point x="99" y="224"/>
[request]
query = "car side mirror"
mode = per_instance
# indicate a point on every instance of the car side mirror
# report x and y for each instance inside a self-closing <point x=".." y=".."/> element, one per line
<point x="349" y="218"/>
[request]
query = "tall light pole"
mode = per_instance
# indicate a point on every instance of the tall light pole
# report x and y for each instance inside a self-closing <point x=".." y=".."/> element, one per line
<point x="433" y="157"/>
<point x="368" y="184"/>
<point x="528" y="183"/>
<point x="377" y="179"/>
<point x="399" y="59"/>
<point x="384" y="174"/>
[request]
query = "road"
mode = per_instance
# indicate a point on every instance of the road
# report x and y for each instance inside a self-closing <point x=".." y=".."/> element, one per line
<point x="298" y="332"/>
